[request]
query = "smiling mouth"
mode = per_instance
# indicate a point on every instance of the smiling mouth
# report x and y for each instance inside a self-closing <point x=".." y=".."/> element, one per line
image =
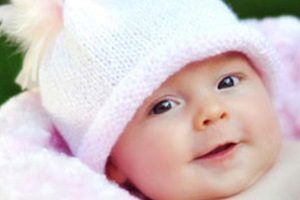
<point x="219" y="151"/>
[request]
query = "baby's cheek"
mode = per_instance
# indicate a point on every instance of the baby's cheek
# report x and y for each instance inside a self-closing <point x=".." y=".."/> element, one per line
<point x="255" y="113"/>
<point x="264" y="131"/>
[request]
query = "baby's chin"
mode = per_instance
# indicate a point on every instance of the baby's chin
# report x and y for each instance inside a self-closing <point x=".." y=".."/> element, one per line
<point x="236" y="192"/>
<point x="247" y="187"/>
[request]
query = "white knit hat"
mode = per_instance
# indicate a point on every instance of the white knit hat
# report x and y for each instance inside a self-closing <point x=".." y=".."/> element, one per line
<point x="110" y="55"/>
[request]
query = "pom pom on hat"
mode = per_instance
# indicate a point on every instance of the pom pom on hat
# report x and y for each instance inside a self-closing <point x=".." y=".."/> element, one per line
<point x="32" y="23"/>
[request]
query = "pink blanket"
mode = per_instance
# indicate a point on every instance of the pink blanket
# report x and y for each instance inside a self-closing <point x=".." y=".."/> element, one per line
<point x="35" y="163"/>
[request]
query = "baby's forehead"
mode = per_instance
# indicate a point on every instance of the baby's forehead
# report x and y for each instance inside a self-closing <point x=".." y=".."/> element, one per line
<point x="202" y="70"/>
<point x="215" y="64"/>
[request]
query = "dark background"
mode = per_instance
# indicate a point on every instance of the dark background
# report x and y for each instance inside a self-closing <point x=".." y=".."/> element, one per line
<point x="11" y="59"/>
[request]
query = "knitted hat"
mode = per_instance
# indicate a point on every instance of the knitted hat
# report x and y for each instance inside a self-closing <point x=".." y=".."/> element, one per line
<point x="110" y="55"/>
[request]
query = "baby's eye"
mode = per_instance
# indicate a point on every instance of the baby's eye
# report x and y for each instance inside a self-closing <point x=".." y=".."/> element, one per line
<point x="228" y="81"/>
<point x="163" y="106"/>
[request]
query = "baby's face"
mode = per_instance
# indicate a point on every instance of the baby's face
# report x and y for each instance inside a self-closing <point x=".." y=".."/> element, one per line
<point x="209" y="131"/>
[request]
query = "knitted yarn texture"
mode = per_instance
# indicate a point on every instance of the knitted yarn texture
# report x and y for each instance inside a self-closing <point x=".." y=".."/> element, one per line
<point x="111" y="55"/>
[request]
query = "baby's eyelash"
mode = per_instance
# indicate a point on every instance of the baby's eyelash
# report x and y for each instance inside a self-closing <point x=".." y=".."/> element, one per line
<point x="162" y="106"/>
<point x="230" y="80"/>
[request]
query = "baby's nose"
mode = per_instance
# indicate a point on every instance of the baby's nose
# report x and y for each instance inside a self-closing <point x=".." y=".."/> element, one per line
<point x="210" y="114"/>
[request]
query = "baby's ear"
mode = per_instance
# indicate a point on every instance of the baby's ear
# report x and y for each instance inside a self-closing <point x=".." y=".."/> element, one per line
<point x="114" y="173"/>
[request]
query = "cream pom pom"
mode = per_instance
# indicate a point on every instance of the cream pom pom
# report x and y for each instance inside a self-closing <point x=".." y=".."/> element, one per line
<point x="32" y="23"/>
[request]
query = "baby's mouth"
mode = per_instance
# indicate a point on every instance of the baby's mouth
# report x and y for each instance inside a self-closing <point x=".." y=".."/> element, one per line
<point x="219" y="151"/>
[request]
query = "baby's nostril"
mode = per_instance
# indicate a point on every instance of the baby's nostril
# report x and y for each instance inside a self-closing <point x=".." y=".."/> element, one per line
<point x="207" y="122"/>
<point x="223" y="116"/>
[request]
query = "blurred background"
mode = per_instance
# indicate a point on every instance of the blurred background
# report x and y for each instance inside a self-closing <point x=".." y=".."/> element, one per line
<point x="11" y="58"/>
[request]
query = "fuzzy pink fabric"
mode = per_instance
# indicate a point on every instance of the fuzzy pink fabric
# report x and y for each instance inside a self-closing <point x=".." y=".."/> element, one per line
<point x="284" y="33"/>
<point x="35" y="163"/>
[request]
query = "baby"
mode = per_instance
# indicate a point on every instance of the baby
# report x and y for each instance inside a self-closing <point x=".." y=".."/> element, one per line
<point x="209" y="131"/>
<point x="171" y="100"/>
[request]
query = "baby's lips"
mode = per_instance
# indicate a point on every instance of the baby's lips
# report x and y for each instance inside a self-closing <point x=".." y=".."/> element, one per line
<point x="217" y="149"/>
